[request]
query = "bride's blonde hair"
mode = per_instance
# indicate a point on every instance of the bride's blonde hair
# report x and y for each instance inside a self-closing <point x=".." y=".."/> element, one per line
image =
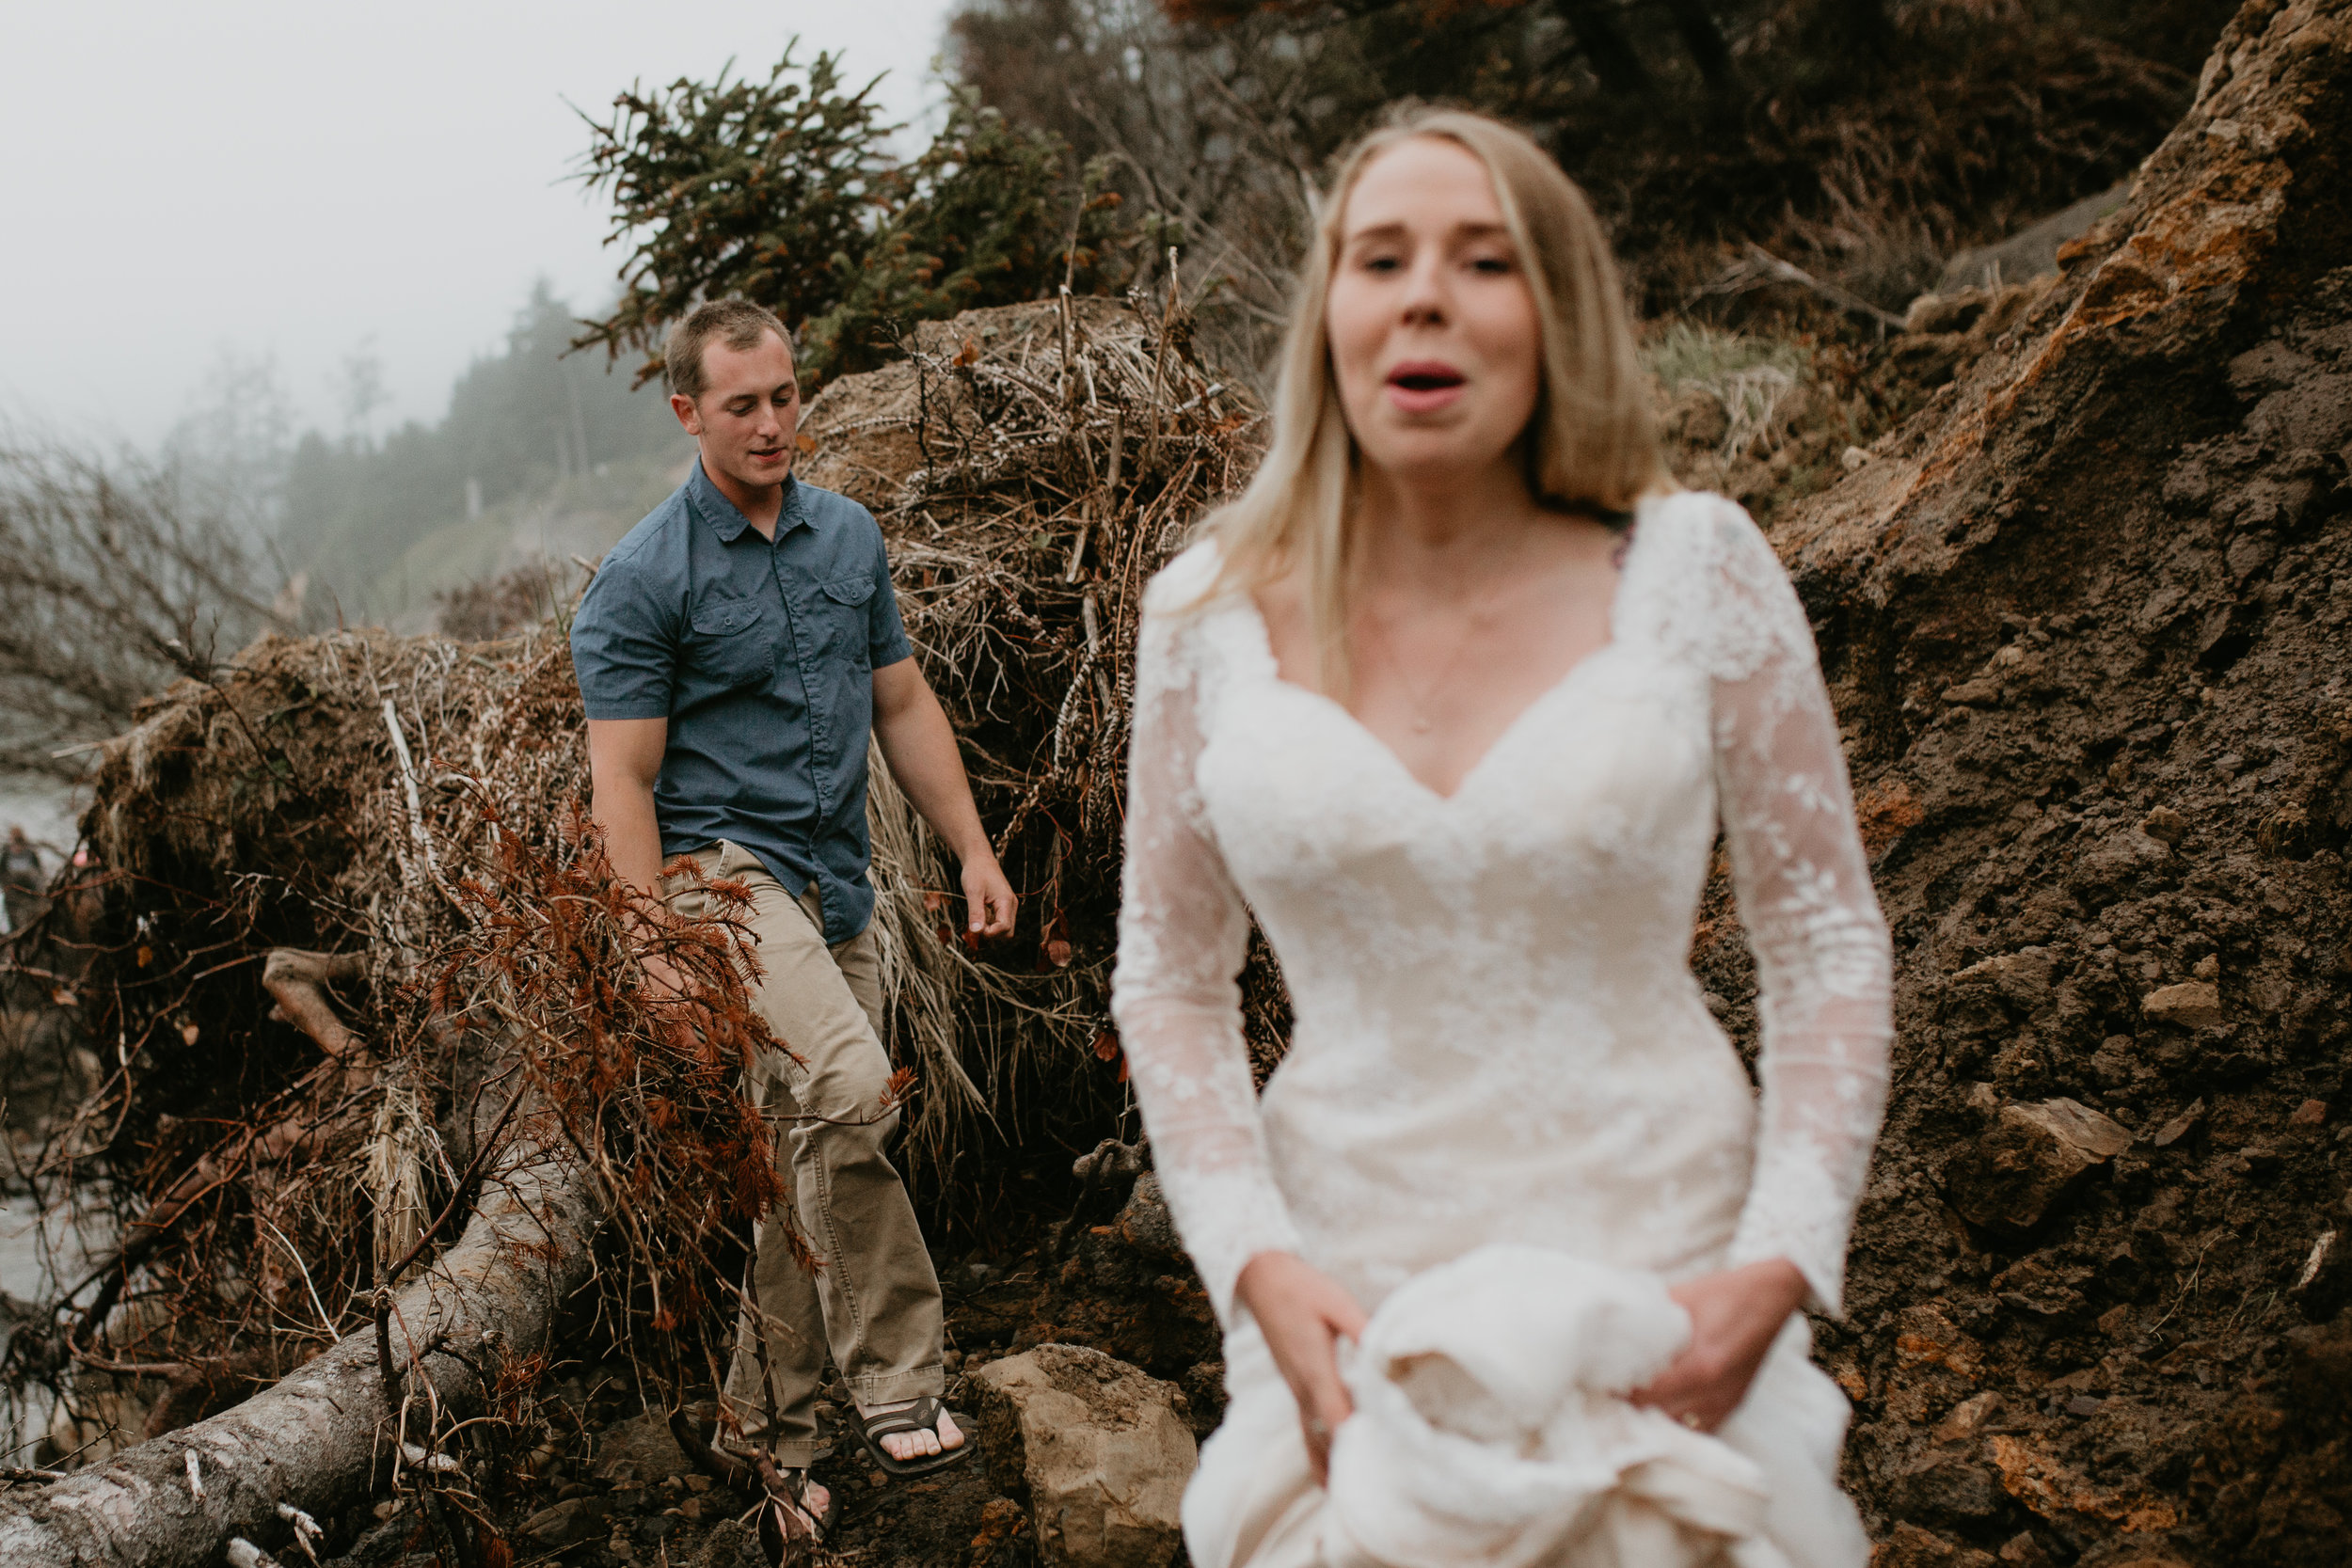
<point x="1590" y="445"/>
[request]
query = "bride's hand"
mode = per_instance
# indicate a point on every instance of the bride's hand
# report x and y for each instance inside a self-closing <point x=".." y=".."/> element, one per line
<point x="1735" y="1315"/>
<point x="1303" y="1314"/>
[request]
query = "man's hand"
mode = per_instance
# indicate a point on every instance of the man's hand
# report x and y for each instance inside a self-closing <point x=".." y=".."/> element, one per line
<point x="663" y="983"/>
<point x="1735" y="1316"/>
<point x="988" y="896"/>
<point x="919" y="745"/>
<point x="1304" y="1314"/>
<point x="624" y="759"/>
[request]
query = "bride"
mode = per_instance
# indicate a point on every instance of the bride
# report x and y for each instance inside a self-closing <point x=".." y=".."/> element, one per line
<point x="1452" y="698"/>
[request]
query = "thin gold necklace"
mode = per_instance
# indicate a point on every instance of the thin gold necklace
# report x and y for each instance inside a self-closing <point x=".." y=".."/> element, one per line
<point x="1472" y="618"/>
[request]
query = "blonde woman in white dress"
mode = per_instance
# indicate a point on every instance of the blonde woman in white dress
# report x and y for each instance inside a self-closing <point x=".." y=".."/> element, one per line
<point x="1455" y="698"/>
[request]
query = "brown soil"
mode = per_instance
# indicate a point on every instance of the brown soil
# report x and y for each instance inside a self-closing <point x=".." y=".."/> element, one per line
<point x="2085" y="618"/>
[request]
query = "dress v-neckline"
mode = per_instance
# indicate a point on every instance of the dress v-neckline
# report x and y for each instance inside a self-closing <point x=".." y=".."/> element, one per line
<point x="1273" y="669"/>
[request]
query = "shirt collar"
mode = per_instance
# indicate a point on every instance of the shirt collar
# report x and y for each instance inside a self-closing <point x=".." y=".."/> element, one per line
<point x="726" y="520"/>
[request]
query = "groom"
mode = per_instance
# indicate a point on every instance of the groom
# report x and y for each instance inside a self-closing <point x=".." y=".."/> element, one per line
<point x="734" y="651"/>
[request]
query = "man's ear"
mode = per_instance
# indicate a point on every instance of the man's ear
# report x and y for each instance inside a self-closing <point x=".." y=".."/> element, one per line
<point x="684" y="408"/>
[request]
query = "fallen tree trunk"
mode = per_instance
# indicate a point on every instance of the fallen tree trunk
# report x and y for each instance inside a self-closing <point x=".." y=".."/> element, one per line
<point x="319" y="1437"/>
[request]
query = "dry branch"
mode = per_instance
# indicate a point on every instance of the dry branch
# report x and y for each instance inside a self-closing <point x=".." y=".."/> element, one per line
<point x="316" y="1439"/>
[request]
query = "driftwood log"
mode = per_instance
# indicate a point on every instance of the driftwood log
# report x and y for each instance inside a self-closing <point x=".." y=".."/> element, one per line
<point x="322" y="1437"/>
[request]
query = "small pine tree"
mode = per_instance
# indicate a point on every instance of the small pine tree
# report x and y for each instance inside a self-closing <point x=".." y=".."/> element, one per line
<point x="784" y="192"/>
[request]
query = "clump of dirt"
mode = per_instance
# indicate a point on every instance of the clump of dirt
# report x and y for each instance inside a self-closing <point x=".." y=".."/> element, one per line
<point x="2086" y="621"/>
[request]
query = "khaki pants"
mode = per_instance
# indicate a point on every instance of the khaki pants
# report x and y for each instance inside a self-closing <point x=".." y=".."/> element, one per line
<point x="874" y="1301"/>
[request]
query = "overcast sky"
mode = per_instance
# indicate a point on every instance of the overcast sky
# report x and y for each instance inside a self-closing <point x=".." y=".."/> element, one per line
<point x="263" y="177"/>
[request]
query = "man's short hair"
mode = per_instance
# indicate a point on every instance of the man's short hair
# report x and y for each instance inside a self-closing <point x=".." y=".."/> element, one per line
<point x="738" y="322"/>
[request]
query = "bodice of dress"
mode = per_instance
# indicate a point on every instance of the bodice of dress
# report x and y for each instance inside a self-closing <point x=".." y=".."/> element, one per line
<point x="1496" y="1036"/>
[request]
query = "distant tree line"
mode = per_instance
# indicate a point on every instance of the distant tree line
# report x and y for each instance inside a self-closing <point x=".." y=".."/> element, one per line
<point x="517" y="423"/>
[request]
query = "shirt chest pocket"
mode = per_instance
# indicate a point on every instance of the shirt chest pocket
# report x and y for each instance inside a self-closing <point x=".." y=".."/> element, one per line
<point x="732" y="644"/>
<point x="844" y="609"/>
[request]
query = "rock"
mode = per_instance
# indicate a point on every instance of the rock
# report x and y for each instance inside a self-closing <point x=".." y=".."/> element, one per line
<point x="1946" y="1487"/>
<point x="2032" y="251"/>
<point x="2100" y="1137"/>
<point x="1985" y="691"/>
<point x="2178" y="1127"/>
<point x="2120" y="862"/>
<point x="1147" y="1226"/>
<point x="2022" y="978"/>
<point x="569" y="1523"/>
<point x="2024" y="1550"/>
<point x="2013" y="1175"/>
<point x="639" y="1451"/>
<point x="2165" y="825"/>
<point x="1908" y="1546"/>
<point x="1111" y="1159"/>
<point x="2312" y="1112"/>
<point x="1852" y="458"/>
<point x="2191" y="1005"/>
<point x="1097" y="1449"/>
<point x="2321" y="1251"/>
<point x="1967" y="1418"/>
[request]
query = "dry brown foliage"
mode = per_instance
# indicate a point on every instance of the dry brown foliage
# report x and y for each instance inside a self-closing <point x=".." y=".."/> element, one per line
<point x="417" y="802"/>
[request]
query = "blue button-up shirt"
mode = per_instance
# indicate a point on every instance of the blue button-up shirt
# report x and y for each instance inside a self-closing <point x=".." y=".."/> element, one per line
<point x="762" y="657"/>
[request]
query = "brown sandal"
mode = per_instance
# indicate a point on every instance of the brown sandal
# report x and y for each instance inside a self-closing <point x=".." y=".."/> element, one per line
<point x="922" y="1416"/>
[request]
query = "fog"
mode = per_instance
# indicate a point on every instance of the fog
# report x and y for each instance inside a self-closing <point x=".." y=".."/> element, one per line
<point x="195" y="191"/>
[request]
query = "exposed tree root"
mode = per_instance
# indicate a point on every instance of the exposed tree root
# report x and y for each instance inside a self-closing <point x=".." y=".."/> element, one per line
<point x="320" y="1438"/>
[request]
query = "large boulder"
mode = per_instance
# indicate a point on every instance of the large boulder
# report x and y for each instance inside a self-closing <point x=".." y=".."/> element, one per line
<point x="1095" y="1448"/>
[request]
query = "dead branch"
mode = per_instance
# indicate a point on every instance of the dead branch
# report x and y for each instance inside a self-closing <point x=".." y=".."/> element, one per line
<point x="299" y="979"/>
<point x="1761" y="267"/>
<point x="310" y="1441"/>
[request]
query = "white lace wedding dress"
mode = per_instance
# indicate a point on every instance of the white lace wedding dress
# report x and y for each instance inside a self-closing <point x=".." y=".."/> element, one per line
<point x="1497" y="1038"/>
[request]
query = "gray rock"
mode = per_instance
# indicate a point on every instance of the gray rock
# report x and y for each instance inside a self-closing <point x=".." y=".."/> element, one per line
<point x="639" y="1451"/>
<point x="1146" y="1225"/>
<point x="1095" y="1448"/>
<point x="1110" y="1160"/>
<point x="2031" y="251"/>
<point x="569" y="1523"/>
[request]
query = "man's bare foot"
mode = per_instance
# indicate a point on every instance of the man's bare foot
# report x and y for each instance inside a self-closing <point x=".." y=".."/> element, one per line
<point x="904" y="1446"/>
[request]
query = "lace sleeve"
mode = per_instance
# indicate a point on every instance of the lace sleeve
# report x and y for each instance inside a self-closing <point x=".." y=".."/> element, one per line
<point x="1823" y="957"/>
<point x="1183" y="932"/>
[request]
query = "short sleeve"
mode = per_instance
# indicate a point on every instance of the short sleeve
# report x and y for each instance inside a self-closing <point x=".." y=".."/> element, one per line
<point x="624" y="645"/>
<point x="885" y="632"/>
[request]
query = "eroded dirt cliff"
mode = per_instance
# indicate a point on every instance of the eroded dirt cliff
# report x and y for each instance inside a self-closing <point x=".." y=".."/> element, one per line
<point x="2086" y="620"/>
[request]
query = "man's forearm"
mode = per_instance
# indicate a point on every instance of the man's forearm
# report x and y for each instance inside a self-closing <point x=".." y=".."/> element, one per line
<point x="920" y="747"/>
<point x="632" y="836"/>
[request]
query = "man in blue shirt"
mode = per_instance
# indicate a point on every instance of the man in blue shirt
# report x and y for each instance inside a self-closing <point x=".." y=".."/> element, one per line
<point x="735" y="651"/>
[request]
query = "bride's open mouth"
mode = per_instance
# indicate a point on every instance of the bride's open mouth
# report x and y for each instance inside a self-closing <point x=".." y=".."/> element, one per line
<point x="1421" y="386"/>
